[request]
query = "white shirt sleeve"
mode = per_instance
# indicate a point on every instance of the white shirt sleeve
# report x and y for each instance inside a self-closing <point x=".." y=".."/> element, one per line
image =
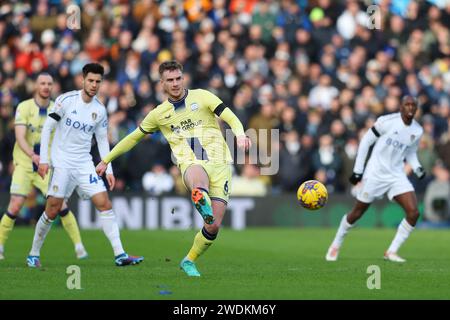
<point x="380" y="126"/>
<point x="369" y="138"/>
<point x="58" y="109"/>
<point x="49" y="126"/>
<point x="56" y="112"/>
<point x="101" y="134"/>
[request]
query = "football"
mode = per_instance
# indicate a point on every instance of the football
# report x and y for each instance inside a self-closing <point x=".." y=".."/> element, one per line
<point x="312" y="195"/>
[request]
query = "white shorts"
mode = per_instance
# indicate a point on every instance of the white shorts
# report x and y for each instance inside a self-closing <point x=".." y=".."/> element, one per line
<point x="63" y="182"/>
<point x="372" y="189"/>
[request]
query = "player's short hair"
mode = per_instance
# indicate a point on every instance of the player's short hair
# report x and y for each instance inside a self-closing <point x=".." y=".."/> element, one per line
<point x="44" y="73"/>
<point x="93" y="68"/>
<point x="170" y="65"/>
<point x="414" y="99"/>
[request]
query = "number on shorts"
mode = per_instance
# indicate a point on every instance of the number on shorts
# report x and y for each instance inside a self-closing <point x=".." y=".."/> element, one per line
<point x="92" y="179"/>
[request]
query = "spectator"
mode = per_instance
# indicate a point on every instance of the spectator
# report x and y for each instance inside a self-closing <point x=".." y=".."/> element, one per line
<point x="264" y="16"/>
<point x="327" y="160"/>
<point x="350" y="18"/>
<point x="295" y="161"/>
<point x="131" y="73"/>
<point x="427" y="155"/>
<point x="42" y="19"/>
<point x="321" y="95"/>
<point x="157" y="181"/>
<point x="437" y="195"/>
<point x="179" y="187"/>
<point x="290" y="18"/>
<point x="443" y="147"/>
<point x="249" y="183"/>
<point x="288" y="121"/>
<point x="263" y="122"/>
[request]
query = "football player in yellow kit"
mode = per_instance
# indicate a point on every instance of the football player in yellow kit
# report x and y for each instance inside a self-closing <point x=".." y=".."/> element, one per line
<point x="29" y="120"/>
<point x="187" y="119"/>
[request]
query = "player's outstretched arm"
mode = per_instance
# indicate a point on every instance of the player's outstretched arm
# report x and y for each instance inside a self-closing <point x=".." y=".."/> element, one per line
<point x="242" y="141"/>
<point x="369" y="138"/>
<point x="125" y="145"/>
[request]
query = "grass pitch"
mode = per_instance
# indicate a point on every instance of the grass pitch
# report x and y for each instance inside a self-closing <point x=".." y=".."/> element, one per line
<point x="253" y="264"/>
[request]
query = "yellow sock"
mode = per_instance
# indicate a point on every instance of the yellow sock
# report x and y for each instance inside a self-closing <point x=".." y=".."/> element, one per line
<point x="6" y="226"/>
<point x="201" y="244"/>
<point x="71" y="226"/>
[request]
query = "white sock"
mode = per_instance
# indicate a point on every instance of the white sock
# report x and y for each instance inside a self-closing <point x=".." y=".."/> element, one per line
<point x="344" y="227"/>
<point x="42" y="228"/>
<point x="111" y="230"/>
<point x="403" y="231"/>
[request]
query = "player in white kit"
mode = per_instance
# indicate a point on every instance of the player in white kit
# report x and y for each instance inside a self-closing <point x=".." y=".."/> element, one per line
<point x="76" y="117"/>
<point x="396" y="138"/>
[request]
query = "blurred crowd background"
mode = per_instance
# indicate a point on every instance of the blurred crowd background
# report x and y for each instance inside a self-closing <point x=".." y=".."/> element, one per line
<point x="312" y="69"/>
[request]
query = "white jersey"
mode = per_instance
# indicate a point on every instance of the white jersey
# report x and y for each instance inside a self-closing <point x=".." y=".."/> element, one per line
<point x="396" y="142"/>
<point x="77" y="123"/>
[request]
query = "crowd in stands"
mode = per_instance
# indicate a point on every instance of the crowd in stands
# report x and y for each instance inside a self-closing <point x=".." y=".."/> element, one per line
<point x="319" y="71"/>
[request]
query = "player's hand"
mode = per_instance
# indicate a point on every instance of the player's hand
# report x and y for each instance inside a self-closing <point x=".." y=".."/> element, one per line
<point x="355" y="178"/>
<point x="111" y="181"/>
<point x="243" y="142"/>
<point x="101" y="168"/>
<point x="420" y="173"/>
<point x="35" y="158"/>
<point x="43" y="170"/>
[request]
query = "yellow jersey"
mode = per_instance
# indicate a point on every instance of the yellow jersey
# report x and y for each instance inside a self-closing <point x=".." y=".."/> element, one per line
<point x="31" y="115"/>
<point x="190" y="126"/>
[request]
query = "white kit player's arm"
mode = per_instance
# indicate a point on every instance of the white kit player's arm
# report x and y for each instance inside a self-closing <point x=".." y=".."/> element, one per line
<point x="49" y="126"/>
<point x="101" y="134"/>
<point x="411" y="158"/>
<point x="369" y="138"/>
<point x="55" y="114"/>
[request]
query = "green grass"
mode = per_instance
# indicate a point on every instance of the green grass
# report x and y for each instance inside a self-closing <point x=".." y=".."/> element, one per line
<point x="252" y="264"/>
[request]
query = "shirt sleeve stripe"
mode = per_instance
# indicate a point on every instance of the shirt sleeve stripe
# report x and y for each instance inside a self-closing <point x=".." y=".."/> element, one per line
<point x="146" y="132"/>
<point x="375" y="132"/>
<point x="55" y="116"/>
<point x="219" y="109"/>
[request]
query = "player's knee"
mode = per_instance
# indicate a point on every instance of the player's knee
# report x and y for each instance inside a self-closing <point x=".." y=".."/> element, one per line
<point x="413" y="214"/>
<point x="52" y="208"/>
<point x="14" y="207"/>
<point x="196" y="177"/>
<point x="101" y="201"/>
<point x="51" y="211"/>
<point x="104" y="205"/>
